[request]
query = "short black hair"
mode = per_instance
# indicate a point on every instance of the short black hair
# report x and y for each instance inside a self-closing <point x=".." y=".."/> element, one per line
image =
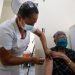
<point x="27" y="9"/>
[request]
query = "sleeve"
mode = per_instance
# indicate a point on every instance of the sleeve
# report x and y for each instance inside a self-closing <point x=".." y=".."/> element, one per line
<point x="72" y="55"/>
<point x="6" y="39"/>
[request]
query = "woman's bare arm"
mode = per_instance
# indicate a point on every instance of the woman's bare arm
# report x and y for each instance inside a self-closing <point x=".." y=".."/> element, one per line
<point x="8" y="59"/>
<point x="48" y="66"/>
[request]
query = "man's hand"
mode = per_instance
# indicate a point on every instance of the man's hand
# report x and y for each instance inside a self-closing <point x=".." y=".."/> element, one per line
<point x="58" y="55"/>
<point x="68" y="61"/>
<point x="37" y="60"/>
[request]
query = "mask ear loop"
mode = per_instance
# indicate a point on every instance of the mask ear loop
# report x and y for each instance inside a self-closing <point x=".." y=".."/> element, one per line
<point x="55" y="43"/>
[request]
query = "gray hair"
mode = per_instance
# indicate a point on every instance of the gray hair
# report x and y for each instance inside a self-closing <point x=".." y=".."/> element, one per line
<point x="59" y="33"/>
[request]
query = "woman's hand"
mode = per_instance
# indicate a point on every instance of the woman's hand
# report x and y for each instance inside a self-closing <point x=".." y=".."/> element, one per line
<point x="37" y="60"/>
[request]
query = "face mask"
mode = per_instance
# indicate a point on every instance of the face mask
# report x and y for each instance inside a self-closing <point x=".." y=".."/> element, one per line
<point x="61" y="43"/>
<point x="28" y="28"/>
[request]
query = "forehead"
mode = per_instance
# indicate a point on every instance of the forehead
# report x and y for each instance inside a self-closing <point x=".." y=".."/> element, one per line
<point x="32" y="17"/>
<point x="60" y="36"/>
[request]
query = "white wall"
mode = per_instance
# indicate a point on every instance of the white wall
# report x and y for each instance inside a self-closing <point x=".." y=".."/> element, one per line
<point x="1" y="6"/>
<point x="6" y="11"/>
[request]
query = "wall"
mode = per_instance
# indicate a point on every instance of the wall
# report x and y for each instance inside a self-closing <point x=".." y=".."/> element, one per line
<point x="1" y="5"/>
<point x="6" y="11"/>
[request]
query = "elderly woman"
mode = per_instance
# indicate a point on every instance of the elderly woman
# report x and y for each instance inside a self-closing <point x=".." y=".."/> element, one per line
<point x="63" y="57"/>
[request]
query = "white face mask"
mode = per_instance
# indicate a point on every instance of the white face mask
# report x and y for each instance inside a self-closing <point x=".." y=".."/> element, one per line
<point x="28" y="27"/>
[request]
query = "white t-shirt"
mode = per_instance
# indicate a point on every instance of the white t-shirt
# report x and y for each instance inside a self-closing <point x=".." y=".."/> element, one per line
<point x="10" y="38"/>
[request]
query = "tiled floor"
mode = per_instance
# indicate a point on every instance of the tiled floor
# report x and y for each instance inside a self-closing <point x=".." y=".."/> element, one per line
<point x="25" y="70"/>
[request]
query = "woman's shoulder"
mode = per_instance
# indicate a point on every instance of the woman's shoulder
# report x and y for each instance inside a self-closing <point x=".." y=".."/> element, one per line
<point x="7" y="25"/>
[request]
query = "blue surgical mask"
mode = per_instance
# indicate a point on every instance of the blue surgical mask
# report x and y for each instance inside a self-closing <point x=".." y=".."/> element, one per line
<point x="28" y="27"/>
<point x="61" y="43"/>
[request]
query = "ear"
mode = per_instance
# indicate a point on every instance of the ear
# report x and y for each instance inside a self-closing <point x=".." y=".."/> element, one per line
<point x="20" y="21"/>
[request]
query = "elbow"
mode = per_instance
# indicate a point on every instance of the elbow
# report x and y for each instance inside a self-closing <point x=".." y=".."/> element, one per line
<point x="8" y="62"/>
<point x="41" y="34"/>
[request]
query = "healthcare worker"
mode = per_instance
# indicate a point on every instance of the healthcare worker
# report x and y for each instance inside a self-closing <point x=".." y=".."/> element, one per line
<point x="14" y="39"/>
